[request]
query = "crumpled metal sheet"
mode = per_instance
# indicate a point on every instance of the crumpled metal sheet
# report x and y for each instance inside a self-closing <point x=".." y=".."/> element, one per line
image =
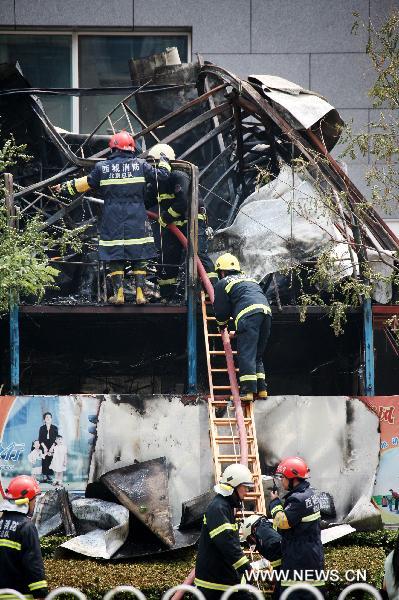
<point x="108" y="526"/>
<point x="302" y="108"/>
<point x="143" y="489"/>
<point x="337" y="436"/>
<point x="47" y="516"/>
<point x="267" y="238"/>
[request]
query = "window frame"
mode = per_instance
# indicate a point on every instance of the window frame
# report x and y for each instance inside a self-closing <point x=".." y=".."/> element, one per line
<point x="74" y="35"/>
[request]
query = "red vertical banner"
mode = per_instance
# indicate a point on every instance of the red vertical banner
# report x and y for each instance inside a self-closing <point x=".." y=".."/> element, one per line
<point x="386" y="488"/>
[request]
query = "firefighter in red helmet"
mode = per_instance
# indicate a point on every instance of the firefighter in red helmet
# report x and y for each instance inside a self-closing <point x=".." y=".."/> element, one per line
<point x="125" y="232"/>
<point x="21" y="562"/>
<point x="297" y="518"/>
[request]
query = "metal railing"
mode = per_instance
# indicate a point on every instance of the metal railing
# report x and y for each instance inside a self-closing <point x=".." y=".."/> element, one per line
<point x="188" y="589"/>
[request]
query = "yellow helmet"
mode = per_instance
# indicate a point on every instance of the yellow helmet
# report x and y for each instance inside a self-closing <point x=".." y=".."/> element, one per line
<point x="227" y="262"/>
<point x="165" y="149"/>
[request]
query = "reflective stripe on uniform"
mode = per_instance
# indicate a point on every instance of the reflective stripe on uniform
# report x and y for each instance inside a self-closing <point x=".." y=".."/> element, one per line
<point x="213" y="275"/>
<point x="165" y="197"/>
<point x="146" y="240"/>
<point x="117" y="273"/>
<point x="70" y="188"/>
<point x="247" y="378"/>
<point x="14" y="597"/>
<point x="204" y="520"/>
<point x="37" y="585"/>
<point x="5" y="543"/>
<point x="221" y="528"/>
<point x="122" y="181"/>
<point x="222" y="322"/>
<point x="139" y="272"/>
<point x="209" y="585"/>
<point x="170" y="281"/>
<point x="202" y="217"/>
<point x="244" y="311"/>
<point x="240" y="562"/>
<point x="260" y="376"/>
<point x="180" y="223"/>
<point x="276" y="563"/>
<point x="292" y="582"/>
<point x="230" y="285"/>
<point x="165" y="165"/>
<point x="313" y="517"/>
<point x="173" y="213"/>
<point x="276" y="509"/>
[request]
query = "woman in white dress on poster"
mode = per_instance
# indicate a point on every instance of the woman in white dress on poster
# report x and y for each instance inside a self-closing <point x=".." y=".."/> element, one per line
<point x="59" y="461"/>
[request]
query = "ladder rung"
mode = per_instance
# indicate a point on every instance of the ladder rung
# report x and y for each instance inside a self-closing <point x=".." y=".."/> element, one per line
<point x="222" y="387"/>
<point x="221" y="370"/>
<point x="219" y="421"/>
<point x="221" y="351"/>
<point x="228" y="457"/>
<point x="221" y="439"/>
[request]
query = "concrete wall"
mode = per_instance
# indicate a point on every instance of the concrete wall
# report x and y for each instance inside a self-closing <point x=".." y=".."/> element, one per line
<point x="307" y="41"/>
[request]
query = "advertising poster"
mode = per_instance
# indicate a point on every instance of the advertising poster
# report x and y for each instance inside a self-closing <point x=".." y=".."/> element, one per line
<point x="386" y="489"/>
<point x="48" y="437"/>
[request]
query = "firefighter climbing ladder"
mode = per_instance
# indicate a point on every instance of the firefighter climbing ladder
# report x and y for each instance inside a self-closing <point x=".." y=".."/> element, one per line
<point x="224" y="433"/>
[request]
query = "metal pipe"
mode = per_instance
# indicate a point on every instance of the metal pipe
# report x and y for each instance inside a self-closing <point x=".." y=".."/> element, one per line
<point x="368" y="347"/>
<point x="14" y="309"/>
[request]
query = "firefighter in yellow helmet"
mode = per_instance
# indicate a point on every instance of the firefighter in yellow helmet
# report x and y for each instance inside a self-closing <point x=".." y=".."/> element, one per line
<point x="170" y="199"/>
<point x="221" y="562"/>
<point x="241" y="298"/>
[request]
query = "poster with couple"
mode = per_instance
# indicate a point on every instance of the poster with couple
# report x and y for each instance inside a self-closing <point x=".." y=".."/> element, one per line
<point x="47" y="437"/>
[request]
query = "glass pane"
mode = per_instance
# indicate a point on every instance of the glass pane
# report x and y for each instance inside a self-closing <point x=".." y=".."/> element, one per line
<point x="103" y="62"/>
<point x="45" y="61"/>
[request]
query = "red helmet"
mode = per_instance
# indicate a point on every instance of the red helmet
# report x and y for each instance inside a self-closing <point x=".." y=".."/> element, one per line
<point x="22" y="487"/>
<point x="123" y="141"/>
<point x="292" y="467"/>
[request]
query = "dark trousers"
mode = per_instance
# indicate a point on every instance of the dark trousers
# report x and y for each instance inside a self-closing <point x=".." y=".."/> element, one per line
<point x="300" y="594"/>
<point x="119" y="265"/>
<point x="172" y="255"/>
<point x="253" y="332"/>
<point x="215" y="594"/>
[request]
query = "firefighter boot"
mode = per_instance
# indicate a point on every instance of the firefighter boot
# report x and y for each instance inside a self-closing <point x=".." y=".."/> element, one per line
<point x="246" y="397"/>
<point x="117" y="286"/>
<point x="140" y="282"/>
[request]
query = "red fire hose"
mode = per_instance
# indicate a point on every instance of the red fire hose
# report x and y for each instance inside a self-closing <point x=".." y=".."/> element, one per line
<point x="242" y="434"/>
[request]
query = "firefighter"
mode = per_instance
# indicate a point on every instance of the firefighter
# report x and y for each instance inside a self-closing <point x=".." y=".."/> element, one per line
<point x="21" y="562"/>
<point x="242" y="298"/>
<point x="171" y="198"/>
<point x="297" y="518"/>
<point x="125" y="233"/>
<point x="221" y="562"/>
<point x="261" y="537"/>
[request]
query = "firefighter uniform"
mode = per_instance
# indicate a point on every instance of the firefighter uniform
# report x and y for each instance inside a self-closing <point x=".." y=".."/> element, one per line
<point x="298" y="521"/>
<point x="268" y="545"/>
<point x="172" y="198"/>
<point x="221" y="562"/>
<point x="21" y="563"/>
<point x="125" y="232"/>
<point x="242" y="298"/>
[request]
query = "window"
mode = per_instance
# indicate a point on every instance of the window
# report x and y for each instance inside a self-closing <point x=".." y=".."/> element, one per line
<point x="45" y="61"/>
<point x="84" y="60"/>
<point x="104" y="62"/>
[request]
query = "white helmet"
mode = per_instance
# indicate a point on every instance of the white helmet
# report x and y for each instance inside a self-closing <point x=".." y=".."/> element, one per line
<point x="233" y="476"/>
<point x="249" y="522"/>
<point x="159" y="149"/>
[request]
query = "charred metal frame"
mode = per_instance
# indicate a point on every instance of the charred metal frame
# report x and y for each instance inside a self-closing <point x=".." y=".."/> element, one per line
<point x="239" y="115"/>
